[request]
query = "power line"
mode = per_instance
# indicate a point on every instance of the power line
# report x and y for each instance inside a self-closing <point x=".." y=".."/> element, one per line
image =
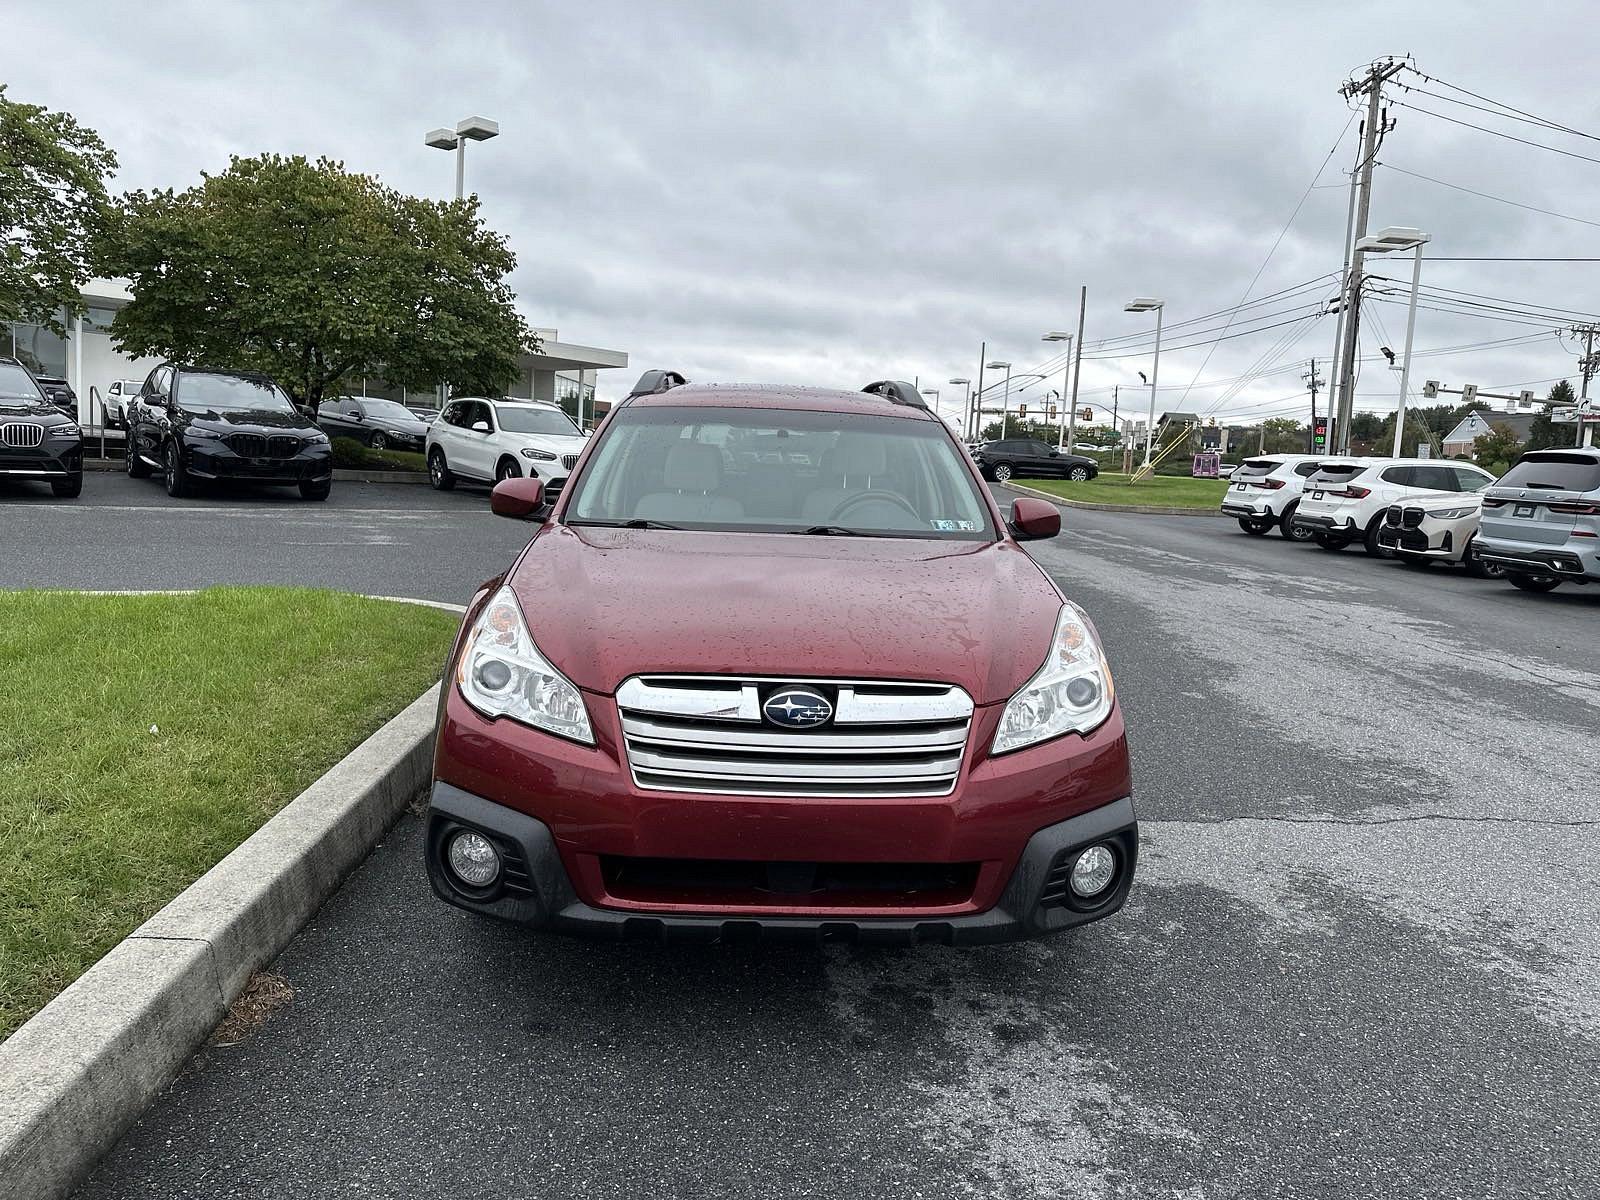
<point x="1499" y="258"/>
<point x="1495" y="112"/>
<point x="1489" y="196"/>
<point x="1532" y="307"/>
<point x="1497" y="133"/>
<point x="1456" y="87"/>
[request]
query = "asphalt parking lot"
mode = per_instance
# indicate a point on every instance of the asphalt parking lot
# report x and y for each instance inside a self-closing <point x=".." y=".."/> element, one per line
<point x="382" y="539"/>
<point x="1362" y="958"/>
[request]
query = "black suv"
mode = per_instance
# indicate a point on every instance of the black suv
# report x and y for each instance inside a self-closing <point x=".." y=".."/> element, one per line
<point x="192" y="423"/>
<point x="1025" y="458"/>
<point x="59" y="392"/>
<point x="37" y="440"/>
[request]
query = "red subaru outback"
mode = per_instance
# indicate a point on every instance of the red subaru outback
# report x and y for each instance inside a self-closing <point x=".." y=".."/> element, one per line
<point x="774" y="663"/>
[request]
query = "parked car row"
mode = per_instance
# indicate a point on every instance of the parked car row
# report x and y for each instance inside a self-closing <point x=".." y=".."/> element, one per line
<point x="1537" y="526"/>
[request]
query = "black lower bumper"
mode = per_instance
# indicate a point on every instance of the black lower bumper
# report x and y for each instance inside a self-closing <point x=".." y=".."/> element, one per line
<point x="535" y="889"/>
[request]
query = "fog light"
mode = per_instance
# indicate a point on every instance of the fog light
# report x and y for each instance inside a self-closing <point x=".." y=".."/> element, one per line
<point x="473" y="859"/>
<point x="1093" y="871"/>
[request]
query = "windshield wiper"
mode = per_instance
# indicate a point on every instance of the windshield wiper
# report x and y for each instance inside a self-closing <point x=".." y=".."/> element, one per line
<point x="836" y="531"/>
<point x="634" y="523"/>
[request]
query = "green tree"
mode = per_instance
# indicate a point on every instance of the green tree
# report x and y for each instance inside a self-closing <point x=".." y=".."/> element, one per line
<point x="1496" y="450"/>
<point x="313" y="274"/>
<point x="53" y="211"/>
<point x="1545" y="434"/>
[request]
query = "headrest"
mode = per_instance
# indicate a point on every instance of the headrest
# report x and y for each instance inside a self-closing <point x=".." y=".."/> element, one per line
<point x="860" y="456"/>
<point x="692" y="467"/>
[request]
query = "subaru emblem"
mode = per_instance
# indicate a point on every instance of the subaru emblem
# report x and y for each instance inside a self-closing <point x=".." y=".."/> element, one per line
<point x="797" y="708"/>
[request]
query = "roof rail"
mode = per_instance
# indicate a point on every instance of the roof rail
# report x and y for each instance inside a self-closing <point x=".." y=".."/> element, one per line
<point x="897" y="391"/>
<point x="655" y="381"/>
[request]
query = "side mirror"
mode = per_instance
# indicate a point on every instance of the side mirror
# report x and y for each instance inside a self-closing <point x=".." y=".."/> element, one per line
<point x="355" y="416"/>
<point x="480" y="427"/>
<point x="519" y="497"/>
<point x="1054" y="453"/>
<point x="1033" y="519"/>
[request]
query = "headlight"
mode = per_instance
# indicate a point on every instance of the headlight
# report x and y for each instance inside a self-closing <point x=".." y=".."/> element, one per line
<point x="541" y="455"/>
<point x="401" y="436"/>
<point x="67" y="431"/>
<point x="196" y="431"/>
<point x="1452" y="514"/>
<point x="1071" y="692"/>
<point x="316" y="439"/>
<point x="502" y="674"/>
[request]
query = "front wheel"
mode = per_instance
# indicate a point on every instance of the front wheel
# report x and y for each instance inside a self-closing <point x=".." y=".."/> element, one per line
<point x="1287" y="527"/>
<point x="1374" y="547"/>
<point x="1533" y="583"/>
<point x="1479" y="569"/>
<point x="439" y="472"/>
<point x="68" y="488"/>
<point x="316" y="489"/>
<point x="136" y="466"/>
<point x="175" y="477"/>
<point x="507" y="469"/>
<point x="380" y="442"/>
<point x="1001" y="472"/>
<point x="1078" y="474"/>
<point x="1255" y="526"/>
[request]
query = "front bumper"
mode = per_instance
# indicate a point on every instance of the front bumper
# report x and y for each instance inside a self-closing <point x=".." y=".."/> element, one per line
<point x="210" y="460"/>
<point x="53" y="460"/>
<point x="536" y="890"/>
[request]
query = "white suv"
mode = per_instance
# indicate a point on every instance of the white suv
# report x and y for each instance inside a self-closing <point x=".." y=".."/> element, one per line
<point x="1346" y="498"/>
<point x="485" y="441"/>
<point x="1264" y="493"/>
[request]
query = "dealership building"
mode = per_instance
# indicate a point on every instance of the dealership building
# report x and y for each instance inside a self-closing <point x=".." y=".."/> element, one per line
<point x="562" y="372"/>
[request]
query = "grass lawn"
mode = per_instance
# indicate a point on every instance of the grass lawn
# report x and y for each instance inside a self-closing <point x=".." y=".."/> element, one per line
<point x="353" y="455"/>
<point x="1174" y="491"/>
<point x="144" y="737"/>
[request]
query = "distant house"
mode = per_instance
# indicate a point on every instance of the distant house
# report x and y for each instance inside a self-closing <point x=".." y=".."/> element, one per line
<point x="1459" y="441"/>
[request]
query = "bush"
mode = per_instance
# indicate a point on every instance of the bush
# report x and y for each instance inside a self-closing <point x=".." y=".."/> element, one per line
<point x="349" y="454"/>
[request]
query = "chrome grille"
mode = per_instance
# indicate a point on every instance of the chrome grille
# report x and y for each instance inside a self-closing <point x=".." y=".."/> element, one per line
<point x="569" y="461"/>
<point x="699" y="733"/>
<point x="22" y="436"/>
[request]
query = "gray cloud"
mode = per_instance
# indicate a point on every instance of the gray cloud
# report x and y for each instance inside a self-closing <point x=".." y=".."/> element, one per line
<point x="830" y="192"/>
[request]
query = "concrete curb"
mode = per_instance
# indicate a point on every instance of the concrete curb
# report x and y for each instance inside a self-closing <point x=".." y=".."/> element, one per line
<point x="81" y="1071"/>
<point x="1153" y="510"/>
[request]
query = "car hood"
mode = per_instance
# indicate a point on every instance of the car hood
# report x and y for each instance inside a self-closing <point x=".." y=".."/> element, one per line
<point x="555" y="443"/>
<point x="16" y="410"/>
<point x="604" y="604"/>
<point x="1442" y="500"/>
<point x="249" y="420"/>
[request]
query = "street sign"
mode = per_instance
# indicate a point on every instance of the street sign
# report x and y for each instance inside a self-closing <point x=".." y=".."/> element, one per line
<point x="1430" y="389"/>
<point x="1469" y="393"/>
<point x="1424" y="450"/>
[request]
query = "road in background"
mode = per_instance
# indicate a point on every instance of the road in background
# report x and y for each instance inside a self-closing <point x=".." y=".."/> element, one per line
<point x="1361" y="959"/>
<point x="386" y="539"/>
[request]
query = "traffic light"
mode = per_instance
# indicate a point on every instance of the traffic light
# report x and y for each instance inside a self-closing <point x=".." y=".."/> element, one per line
<point x="1022" y="410"/>
<point x="1086" y="414"/>
<point x="1052" y="412"/>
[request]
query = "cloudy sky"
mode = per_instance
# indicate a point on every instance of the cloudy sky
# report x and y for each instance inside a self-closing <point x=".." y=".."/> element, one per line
<point x="834" y="192"/>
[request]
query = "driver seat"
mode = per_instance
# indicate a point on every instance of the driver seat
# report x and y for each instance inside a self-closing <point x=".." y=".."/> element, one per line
<point x="691" y="476"/>
<point x="860" y="464"/>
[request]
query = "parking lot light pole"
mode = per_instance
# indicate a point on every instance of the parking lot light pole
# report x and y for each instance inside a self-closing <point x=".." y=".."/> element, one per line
<point x="1058" y="335"/>
<point x="470" y="129"/>
<point x="1005" y="404"/>
<point x="966" y="406"/>
<point x="1397" y="237"/>
<point x="1138" y="305"/>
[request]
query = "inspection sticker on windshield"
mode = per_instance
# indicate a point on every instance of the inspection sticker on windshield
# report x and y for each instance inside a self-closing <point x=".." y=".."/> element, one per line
<point x="954" y="526"/>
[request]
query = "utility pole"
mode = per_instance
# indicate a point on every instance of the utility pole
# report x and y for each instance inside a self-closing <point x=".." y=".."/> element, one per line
<point x="977" y="396"/>
<point x="1077" y="364"/>
<point x="1312" y="382"/>
<point x="1376" y="125"/>
<point x="1586" y="370"/>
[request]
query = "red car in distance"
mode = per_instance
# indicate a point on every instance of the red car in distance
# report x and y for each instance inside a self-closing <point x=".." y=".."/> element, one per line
<point x="774" y="663"/>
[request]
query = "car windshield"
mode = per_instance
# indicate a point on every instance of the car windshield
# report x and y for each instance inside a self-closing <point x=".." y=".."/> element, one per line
<point x="548" y="421"/>
<point x="202" y="392"/>
<point x="1554" y="472"/>
<point x="780" y="471"/>
<point x="387" y="410"/>
<point x="17" y="386"/>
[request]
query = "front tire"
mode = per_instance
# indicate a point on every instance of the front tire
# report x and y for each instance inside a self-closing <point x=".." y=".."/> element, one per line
<point x="316" y="489"/>
<point x="176" y="478"/>
<point x="1287" y="527"/>
<point x="137" y="468"/>
<point x="439" y="472"/>
<point x="380" y="442"/>
<point x="507" y="469"/>
<point x="1001" y="472"/>
<point x="1078" y="474"/>
<point x="1255" y="526"/>
<point x="1533" y="583"/>
<point x="1374" y="547"/>
<point x="68" y="488"/>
